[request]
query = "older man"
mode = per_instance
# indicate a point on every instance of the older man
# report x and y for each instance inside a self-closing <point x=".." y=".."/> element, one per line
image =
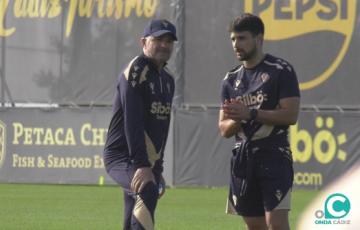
<point x="134" y="149"/>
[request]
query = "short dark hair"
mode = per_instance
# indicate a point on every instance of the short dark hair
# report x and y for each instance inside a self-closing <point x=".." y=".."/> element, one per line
<point x="247" y="22"/>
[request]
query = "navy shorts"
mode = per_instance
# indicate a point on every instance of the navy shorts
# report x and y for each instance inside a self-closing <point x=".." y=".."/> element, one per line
<point x="122" y="174"/>
<point x="269" y="187"/>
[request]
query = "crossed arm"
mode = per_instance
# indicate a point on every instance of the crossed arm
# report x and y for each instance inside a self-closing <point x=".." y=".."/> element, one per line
<point x="233" y="112"/>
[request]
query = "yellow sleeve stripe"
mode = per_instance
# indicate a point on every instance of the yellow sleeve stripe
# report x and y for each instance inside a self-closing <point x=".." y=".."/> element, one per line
<point x="127" y="70"/>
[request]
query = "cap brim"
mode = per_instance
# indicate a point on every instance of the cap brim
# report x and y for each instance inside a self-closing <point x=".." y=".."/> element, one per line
<point x="162" y="32"/>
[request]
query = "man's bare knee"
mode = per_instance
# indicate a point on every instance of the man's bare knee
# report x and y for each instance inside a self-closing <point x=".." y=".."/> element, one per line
<point x="277" y="220"/>
<point x="255" y="223"/>
<point x="278" y="226"/>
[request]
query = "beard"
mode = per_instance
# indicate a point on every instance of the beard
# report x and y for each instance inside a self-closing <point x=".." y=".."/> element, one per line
<point x="245" y="56"/>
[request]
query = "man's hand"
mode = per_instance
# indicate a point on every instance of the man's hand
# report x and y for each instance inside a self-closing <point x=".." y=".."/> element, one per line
<point x="162" y="184"/>
<point x="286" y="113"/>
<point x="228" y="127"/>
<point x="236" y="110"/>
<point x="141" y="177"/>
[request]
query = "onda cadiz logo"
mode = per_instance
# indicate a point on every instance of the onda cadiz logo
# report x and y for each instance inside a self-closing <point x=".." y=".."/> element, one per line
<point x="2" y="142"/>
<point x="286" y="19"/>
<point x="337" y="206"/>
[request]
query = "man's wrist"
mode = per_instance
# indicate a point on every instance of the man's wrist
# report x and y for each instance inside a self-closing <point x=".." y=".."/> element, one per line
<point x="138" y="165"/>
<point x="253" y="113"/>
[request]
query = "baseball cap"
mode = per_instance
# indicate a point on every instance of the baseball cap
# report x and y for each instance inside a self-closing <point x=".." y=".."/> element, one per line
<point x="158" y="27"/>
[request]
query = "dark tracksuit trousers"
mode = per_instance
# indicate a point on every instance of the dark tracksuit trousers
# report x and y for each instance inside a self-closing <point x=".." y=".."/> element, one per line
<point x="138" y="208"/>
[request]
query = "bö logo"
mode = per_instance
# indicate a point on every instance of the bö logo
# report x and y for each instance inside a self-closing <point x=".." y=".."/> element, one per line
<point x="286" y="19"/>
<point x="325" y="145"/>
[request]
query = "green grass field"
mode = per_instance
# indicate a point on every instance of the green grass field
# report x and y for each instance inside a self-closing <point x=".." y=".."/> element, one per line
<point x="90" y="207"/>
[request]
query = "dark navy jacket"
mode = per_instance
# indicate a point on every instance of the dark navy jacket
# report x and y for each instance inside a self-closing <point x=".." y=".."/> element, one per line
<point x="262" y="87"/>
<point x="141" y="116"/>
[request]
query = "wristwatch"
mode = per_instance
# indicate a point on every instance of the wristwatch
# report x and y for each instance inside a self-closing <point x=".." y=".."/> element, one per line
<point x="253" y="114"/>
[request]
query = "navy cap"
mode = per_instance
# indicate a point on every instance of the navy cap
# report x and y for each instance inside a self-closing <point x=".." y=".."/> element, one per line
<point x="158" y="27"/>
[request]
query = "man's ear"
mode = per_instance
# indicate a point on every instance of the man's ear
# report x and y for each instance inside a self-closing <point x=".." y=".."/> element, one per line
<point x="142" y="41"/>
<point x="260" y="38"/>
